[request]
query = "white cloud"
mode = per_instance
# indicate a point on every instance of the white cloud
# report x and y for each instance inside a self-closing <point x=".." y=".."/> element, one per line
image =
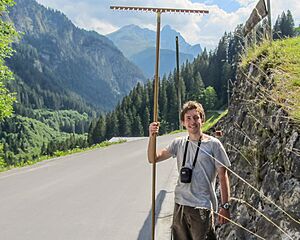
<point x="203" y="29"/>
<point x="279" y="6"/>
<point x="246" y="2"/>
<point x="208" y="29"/>
<point x="100" y="26"/>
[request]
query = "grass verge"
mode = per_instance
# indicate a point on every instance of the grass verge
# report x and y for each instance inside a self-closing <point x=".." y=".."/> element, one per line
<point x="281" y="60"/>
<point x="58" y="154"/>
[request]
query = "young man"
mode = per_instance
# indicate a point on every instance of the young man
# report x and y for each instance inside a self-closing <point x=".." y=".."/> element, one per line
<point x="200" y="158"/>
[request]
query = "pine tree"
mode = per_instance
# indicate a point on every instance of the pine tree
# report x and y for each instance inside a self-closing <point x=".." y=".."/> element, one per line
<point x="112" y="126"/>
<point x="124" y="123"/>
<point x="137" y="128"/>
<point x="172" y="115"/>
<point x="276" y="29"/>
<point x="163" y="100"/>
<point x="187" y="75"/>
<point x="149" y="87"/>
<point x="131" y="120"/>
<point x="284" y="26"/>
<point x="91" y="131"/>
<point x="145" y="121"/>
<point x="201" y="65"/>
<point x="197" y="91"/>
<point x="290" y="25"/>
<point x="99" y="131"/>
<point x="183" y="91"/>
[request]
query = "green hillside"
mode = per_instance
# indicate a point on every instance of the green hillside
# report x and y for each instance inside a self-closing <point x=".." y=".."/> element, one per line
<point x="25" y="139"/>
<point x="281" y="59"/>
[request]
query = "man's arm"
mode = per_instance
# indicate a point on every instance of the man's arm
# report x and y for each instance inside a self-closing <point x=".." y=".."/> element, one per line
<point x="162" y="154"/>
<point x="225" y="193"/>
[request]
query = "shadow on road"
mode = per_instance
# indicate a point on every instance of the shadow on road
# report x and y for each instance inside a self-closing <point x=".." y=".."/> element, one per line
<point x="145" y="232"/>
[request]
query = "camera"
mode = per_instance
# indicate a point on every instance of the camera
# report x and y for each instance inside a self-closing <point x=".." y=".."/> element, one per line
<point x="186" y="175"/>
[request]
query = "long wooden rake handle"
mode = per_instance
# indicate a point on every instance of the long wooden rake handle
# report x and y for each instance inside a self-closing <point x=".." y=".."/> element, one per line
<point x="155" y="118"/>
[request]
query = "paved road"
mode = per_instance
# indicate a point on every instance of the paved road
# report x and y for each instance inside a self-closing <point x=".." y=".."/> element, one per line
<point x="104" y="194"/>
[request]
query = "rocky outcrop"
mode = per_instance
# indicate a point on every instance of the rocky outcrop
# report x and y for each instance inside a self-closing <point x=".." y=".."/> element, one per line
<point x="263" y="144"/>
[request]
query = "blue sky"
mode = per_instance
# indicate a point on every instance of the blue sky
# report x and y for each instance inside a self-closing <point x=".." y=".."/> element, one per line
<point x="224" y="15"/>
<point x="228" y="6"/>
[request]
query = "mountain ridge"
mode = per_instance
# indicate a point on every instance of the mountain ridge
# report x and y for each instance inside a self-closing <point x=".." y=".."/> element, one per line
<point x="167" y="60"/>
<point x="136" y="43"/>
<point x="148" y="37"/>
<point x="86" y="63"/>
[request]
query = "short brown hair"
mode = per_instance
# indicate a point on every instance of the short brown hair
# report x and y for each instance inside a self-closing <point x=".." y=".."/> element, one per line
<point x="190" y="105"/>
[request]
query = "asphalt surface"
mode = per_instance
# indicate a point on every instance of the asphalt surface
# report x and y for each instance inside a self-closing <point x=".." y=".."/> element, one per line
<point x="100" y="194"/>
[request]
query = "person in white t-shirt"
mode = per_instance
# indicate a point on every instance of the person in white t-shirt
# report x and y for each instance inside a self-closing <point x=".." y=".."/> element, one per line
<point x="200" y="158"/>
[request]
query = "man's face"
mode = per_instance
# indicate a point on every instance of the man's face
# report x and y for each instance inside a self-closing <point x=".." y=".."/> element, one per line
<point x="192" y="121"/>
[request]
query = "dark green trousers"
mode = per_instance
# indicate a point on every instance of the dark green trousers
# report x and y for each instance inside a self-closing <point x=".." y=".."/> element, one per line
<point x="192" y="224"/>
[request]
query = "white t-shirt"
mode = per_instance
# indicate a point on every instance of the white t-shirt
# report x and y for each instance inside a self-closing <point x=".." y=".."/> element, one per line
<point x="200" y="192"/>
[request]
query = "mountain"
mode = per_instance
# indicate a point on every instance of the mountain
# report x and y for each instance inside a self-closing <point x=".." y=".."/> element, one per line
<point x="146" y="60"/>
<point x="57" y="58"/>
<point x="139" y="44"/>
<point x="168" y="36"/>
<point x="132" y="39"/>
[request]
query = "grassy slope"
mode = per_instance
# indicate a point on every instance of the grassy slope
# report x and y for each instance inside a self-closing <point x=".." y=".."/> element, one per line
<point x="282" y="60"/>
<point x="212" y="119"/>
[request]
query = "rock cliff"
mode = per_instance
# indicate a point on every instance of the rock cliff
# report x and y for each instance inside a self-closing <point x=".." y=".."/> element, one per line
<point x="261" y="137"/>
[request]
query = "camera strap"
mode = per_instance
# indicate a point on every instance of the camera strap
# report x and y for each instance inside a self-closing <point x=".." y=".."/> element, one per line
<point x="185" y="151"/>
